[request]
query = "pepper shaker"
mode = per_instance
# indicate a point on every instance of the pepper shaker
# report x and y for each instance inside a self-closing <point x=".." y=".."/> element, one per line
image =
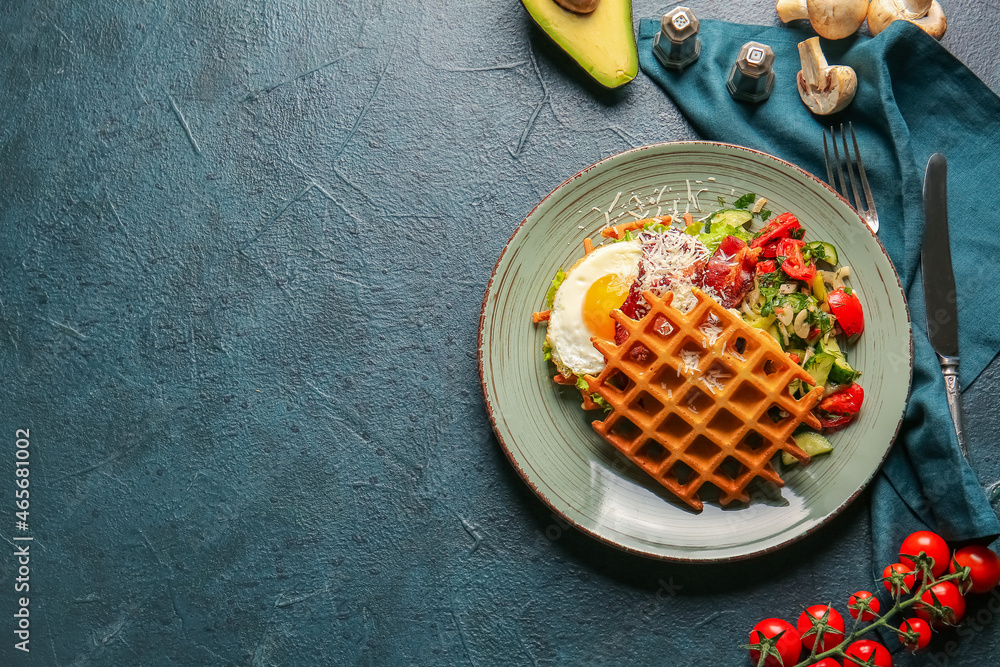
<point x="752" y="77"/>
<point x="677" y="45"/>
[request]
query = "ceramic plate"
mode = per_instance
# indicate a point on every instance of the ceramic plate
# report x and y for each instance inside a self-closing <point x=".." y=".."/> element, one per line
<point x="548" y="438"/>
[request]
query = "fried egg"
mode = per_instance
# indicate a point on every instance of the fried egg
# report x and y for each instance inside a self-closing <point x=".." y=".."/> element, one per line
<point x="595" y="286"/>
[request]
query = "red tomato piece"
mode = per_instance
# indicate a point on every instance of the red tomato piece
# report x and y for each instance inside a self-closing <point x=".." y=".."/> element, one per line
<point x="814" y="630"/>
<point x="794" y="265"/>
<point x="941" y="604"/>
<point x="894" y="583"/>
<point x="847" y="309"/>
<point x="840" y="408"/>
<point x="864" y="603"/>
<point x="984" y="568"/>
<point x="865" y="649"/>
<point x="781" y="227"/>
<point x="766" y="266"/>
<point x="918" y="627"/>
<point x="931" y="544"/>
<point x="827" y="662"/>
<point x="788" y="646"/>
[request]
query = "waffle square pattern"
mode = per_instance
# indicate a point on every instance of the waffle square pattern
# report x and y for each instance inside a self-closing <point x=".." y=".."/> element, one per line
<point x="701" y="398"/>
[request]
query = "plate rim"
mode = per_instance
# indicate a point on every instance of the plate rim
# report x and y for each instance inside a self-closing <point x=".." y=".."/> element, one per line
<point x="825" y="520"/>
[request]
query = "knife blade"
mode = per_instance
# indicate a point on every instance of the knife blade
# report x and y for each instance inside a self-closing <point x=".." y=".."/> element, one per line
<point x="941" y="302"/>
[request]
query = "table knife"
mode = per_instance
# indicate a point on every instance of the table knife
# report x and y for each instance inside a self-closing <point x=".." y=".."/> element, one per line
<point x="939" y="286"/>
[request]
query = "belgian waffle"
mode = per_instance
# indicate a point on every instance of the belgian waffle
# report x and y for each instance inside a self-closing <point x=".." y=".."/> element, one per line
<point x="701" y="398"/>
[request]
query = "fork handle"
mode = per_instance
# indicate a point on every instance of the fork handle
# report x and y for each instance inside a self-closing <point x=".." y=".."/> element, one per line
<point x="949" y="368"/>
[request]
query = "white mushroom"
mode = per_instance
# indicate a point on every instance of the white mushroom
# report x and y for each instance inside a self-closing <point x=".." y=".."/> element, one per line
<point x="833" y="19"/>
<point x="926" y="14"/>
<point x="825" y="89"/>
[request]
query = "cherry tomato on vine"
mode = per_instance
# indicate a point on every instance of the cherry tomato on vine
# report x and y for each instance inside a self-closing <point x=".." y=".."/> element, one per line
<point x="909" y="579"/>
<point x="864" y="649"/>
<point x="789" y="646"/>
<point x="930" y="543"/>
<point x="827" y="662"/>
<point x="922" y="630"/>
<point x="810" y="630"/>
<point x="984" y="568"/>
<point x="950" y="607"/>
<point x="846" y="307"/>
<point x="856" y="601"/>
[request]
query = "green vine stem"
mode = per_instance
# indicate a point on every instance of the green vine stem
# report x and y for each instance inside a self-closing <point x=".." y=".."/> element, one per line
<point x="899" y="605"/>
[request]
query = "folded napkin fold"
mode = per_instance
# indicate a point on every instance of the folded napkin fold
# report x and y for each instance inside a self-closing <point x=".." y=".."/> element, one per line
<point x="914" y="99"/>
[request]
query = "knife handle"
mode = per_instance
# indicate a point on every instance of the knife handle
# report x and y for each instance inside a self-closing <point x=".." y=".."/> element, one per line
<point x="949" y="368"/>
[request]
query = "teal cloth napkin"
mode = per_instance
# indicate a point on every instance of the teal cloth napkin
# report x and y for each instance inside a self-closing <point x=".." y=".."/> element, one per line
<point x="914" y="99"/>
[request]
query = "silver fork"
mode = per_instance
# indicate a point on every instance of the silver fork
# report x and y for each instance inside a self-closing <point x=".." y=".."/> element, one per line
<point x="836" y="168"/>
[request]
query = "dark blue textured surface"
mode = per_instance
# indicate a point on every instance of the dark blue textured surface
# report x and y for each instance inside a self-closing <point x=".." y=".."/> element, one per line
<point x="244" y="251"/>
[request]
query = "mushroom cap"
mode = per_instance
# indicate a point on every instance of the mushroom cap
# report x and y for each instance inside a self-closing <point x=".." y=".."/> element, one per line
<point x="834" y="94"/>
<point x="836" y="19"/>
<point x="883" y="12"/>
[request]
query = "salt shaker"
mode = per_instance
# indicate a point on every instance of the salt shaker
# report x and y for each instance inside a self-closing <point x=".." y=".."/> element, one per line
<point x="752" y="77"/>
<point x="677" y="45"/>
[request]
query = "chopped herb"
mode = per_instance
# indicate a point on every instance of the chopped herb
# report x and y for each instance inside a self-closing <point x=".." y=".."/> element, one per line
<point x="746" y="201"/>
<point x="764" y="215"/>
<point x="556" y="282"/>
<point x="547" y="350"/>
<point x="722" y="201"/>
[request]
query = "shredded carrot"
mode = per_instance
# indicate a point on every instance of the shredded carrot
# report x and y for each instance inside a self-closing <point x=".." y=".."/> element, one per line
<point x="588" y="246"/>
<point x="688" y="219"/>
<point x="540" y="316"/>
<point x="618" y="231"/>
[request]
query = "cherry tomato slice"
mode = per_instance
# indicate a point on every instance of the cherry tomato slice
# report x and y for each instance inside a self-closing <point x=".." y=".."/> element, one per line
<point x="789" y="646"/>
<point x="794" y="265"/>
<point x="766" y="266"/>
<point x="984" y="568"/>
<point x="847" y="401"/>
<point x="931" y="544"/>
<point x="865" y="649"/>
<point x="918" y="627"/>
<point x="847" y="309"/>
<point x="781" y="227"/>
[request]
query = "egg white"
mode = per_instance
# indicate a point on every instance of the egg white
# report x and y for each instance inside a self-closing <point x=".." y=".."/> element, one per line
<point x="568" y="335"/>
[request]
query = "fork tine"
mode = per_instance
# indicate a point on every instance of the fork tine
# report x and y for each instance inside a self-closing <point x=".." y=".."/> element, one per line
<point x="856" y="191"/>
<point x="864" y="178"/>
<point x="842" y="184"/>
<point x="826" y="158"/>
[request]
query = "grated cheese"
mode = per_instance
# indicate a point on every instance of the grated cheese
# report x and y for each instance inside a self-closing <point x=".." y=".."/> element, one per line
<point x="712" y="329"/>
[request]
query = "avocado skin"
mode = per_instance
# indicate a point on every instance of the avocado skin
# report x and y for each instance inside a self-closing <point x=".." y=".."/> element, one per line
<point x="601" y="42"/>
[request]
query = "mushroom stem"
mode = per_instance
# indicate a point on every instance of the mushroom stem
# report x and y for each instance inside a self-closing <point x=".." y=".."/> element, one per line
<point x="916" y="9"/>
<point x="926" y="14"/>
<point x="833" y="19"/>
<point x="824" y="89"/>
<point x="792" y="10"/>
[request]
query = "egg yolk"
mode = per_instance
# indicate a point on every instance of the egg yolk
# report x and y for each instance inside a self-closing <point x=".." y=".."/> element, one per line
<point x="606" y="294"/>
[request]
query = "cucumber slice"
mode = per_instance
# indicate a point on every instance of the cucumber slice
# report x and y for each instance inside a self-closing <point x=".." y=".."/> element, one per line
<point x="811" y="443"/>
<point x="842" y="373"/>
<point x="735" y="217"/>
<point x="819" y="366"/>
<point x="823" y="251"/>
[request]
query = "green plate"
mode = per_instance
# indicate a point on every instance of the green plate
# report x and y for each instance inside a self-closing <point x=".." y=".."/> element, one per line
<point x="548" y="438"/>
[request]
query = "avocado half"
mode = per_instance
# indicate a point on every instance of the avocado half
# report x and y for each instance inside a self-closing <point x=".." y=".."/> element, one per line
<point x="602" y="42"/>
